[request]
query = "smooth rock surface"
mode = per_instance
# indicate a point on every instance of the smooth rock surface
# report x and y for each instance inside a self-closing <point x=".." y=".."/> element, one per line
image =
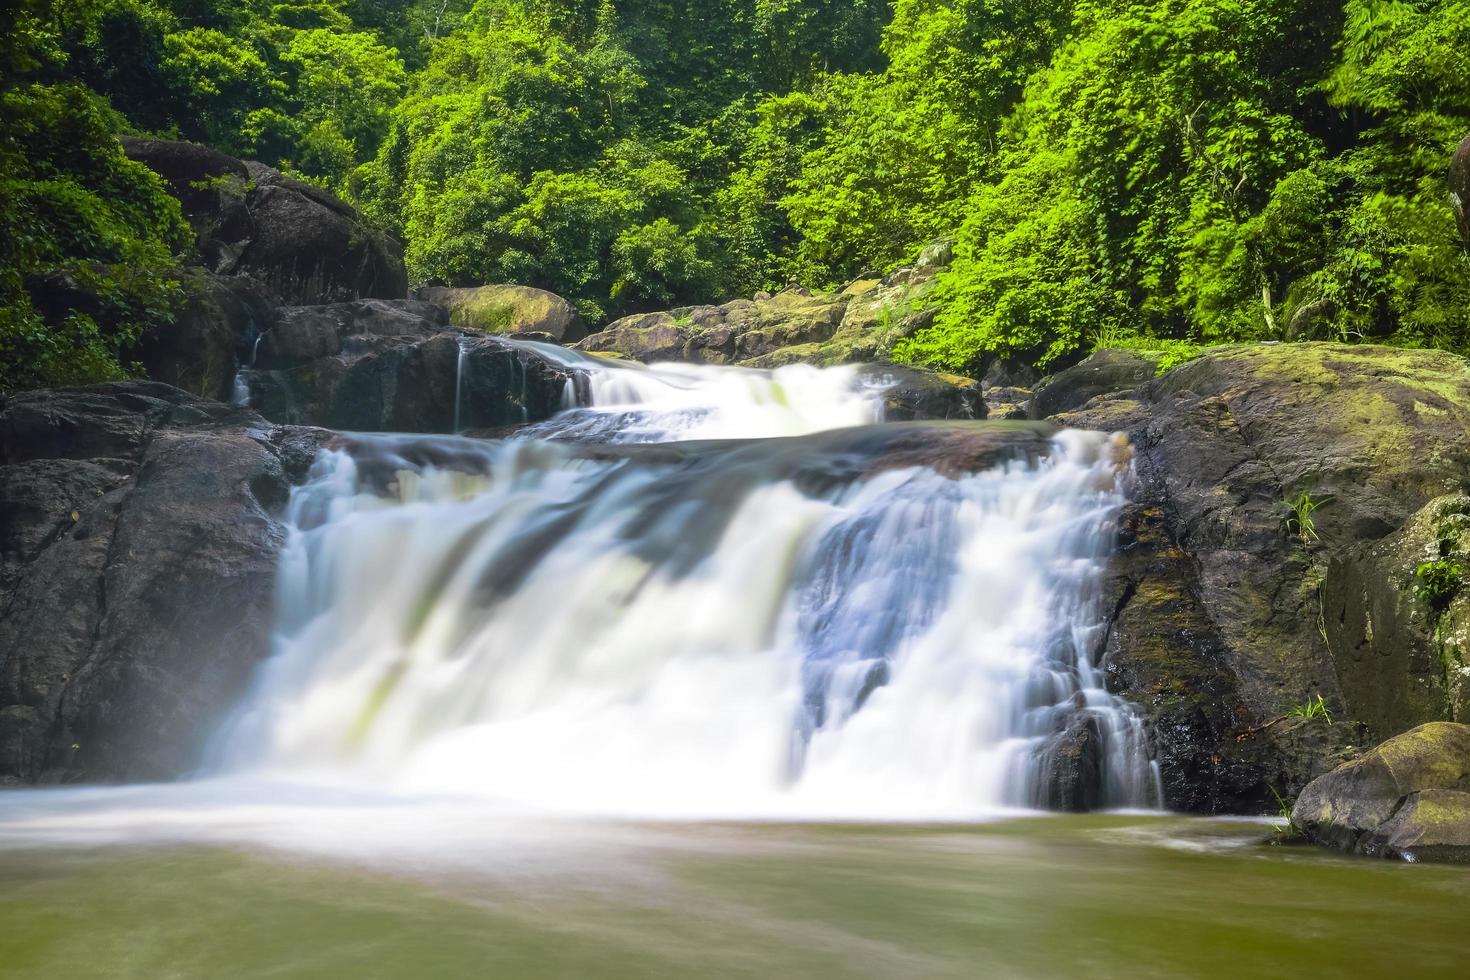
<point x="137" y="568"/>
<point x="1408" y="798"/>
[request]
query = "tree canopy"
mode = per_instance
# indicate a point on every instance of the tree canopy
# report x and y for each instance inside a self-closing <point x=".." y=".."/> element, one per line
<point x="1111" y="171"/>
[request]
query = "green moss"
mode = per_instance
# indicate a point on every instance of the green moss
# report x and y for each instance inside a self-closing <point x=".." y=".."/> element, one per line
<point x="1437" y="582"/>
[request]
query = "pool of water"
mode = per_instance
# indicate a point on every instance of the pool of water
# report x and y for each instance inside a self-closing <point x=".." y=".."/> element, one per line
<point x="1099" y="896"/>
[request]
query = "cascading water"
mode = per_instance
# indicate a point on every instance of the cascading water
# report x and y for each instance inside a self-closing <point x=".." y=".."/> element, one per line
<point x="809" y="625"/>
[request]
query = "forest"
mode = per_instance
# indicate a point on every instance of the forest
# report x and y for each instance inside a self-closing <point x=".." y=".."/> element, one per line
<point x="1123" y="173"/>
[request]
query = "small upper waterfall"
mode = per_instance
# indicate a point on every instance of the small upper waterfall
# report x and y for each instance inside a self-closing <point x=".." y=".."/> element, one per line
<point x="801" y="621"/>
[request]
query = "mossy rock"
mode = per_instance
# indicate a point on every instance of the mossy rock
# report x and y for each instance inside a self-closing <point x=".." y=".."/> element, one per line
<point x="1408" y="798"/>
<point x="508" y="309"/>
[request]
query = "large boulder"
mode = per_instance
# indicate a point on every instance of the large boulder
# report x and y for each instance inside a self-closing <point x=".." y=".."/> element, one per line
<point x="1397" y="619"/>
<point x="396" y="366"/>
<point x="737" y="332"/>
<point x="137" y="569"/>
<point x="1460" y="189"/>
<point x="306" y="245"/>
<point x="509" y="310"/>
<point x="1408" y="798"/>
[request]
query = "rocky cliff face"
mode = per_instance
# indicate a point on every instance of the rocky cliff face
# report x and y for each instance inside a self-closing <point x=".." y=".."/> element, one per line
<point x="1273" y="554"/>
<point x="137" y="568"/>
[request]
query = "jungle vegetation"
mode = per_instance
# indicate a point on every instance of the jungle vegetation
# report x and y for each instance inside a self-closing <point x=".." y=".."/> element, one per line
<point x="1124" y="171"/>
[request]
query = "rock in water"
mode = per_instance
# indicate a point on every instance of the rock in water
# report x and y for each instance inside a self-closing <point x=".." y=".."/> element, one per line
<point x="137" y="569"/>
<point x="1408" y="798"/>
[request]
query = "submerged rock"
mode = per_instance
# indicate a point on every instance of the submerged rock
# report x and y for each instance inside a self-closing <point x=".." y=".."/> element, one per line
<point x="1408" y="798"/>
<point x="137" y="571"/>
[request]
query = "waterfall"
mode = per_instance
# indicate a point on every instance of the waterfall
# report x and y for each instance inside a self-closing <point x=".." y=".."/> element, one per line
<point x="240" y="395"/>
<point x="459" y="366"/>
<point x="804" y="621"/>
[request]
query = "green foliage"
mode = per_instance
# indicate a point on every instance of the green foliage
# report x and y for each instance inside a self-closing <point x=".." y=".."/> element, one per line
<point x="1151" y="174"/>
<point x="1300" y="522"/>
<point x="87" y="239"/>
<point x="1437" y="582"/>
<point x="1312" y="709"/>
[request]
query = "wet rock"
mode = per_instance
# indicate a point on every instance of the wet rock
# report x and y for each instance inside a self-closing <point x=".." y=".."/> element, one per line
<point x="137" y="569"/>
<point x="1223" y="445"/>
<point x="410" y="384"/>
<point x="519" y="310"/>
<point x="201" y="349"/>
<point x="1107" y="372"/>
<point x="1408" y="798"/>
<point x="913" y="394"/>
<point x="1073" y="764"/>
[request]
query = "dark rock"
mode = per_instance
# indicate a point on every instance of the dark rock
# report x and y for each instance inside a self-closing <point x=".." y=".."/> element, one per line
<point x="1460" y="188"/>
<point x="519" y="310"/>
<point x="1399" y="652"/>
<point x="1073" y="764"/>
<point x="914" y="394"/>
<point x="201" y="349"/>
<point x="1107" y="372"/>
<point x="300" y="241"/>
<point x="1222" y="444"/>
<point x="412" y="384"/>
<point x="137" y="568"/>
<point x="298" y="335"/>
<point x="1408" y="798"/>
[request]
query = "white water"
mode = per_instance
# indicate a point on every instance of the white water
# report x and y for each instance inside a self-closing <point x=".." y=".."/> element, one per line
<point x="713" y="637"/>
<point x="627" y="402"/>
<point x="473" y="635"/>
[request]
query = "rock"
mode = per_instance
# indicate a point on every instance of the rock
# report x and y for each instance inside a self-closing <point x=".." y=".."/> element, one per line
<point x="1008" y="403"/>
<point x="914" y="394"/>
<point x="409" y="383"/>
<point x="298" y="335"/>
<point x="201" y="349"/>
<point x="300" y="241"/>
<point x="1408" y="798"/>
<point x="1222" y="444"/>
<point x="1073" y="764"/>
<point x="1460" y="188"/>
<point x="1398" y="621"/>
<point x="212" y="188"/>
<point x="509" y="309"/>
<point x="736" y="333"/>
<point x="1106" y="372"/>
<point x="859" y="324"/>
<point x="312" y="248"/>
<point x="137" y="572"/>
